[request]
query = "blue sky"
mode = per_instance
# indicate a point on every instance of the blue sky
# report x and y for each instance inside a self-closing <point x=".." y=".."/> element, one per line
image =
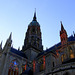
<point x="15" y="15"/>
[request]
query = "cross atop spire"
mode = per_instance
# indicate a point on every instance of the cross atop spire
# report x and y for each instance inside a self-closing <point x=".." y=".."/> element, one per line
<point x="34" y="18"/>
<point x="62" y="27"/>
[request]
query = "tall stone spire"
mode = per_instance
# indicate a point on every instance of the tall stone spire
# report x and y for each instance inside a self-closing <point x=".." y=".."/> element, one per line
<point x="33" y="41"/>
<point x="34" y="18"/>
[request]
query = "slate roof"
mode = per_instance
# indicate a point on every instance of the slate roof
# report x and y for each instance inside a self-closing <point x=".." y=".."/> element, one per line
<point x="20" y="53"/>
<point x="34" y="23"/>
<point x="53" y="48"/>
<point x="71" y="38"/>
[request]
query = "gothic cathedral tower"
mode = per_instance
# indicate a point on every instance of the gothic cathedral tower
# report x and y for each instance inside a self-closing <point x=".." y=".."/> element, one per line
<point x="33" y="41"/>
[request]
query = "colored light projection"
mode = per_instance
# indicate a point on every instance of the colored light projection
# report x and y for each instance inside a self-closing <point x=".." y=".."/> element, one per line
<point x="24" y="66"/>
<point x="57" y="52"/>
<point x="33" y="65"/>
<point x="43" y="62"/>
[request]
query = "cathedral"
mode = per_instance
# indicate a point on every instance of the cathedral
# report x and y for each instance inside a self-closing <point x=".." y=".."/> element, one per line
<point x="33" y="60"/>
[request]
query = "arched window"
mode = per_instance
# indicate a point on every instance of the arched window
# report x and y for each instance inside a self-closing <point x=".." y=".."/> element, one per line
<point x="24" y="66"/>
<point x="40" y="64"/>
<point x="71" y="54"/>
<point x="13" y="68"/>
<point x="63" y="57"/>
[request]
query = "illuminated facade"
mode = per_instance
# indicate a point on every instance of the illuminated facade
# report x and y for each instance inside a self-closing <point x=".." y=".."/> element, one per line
<point x="33" y="60"/>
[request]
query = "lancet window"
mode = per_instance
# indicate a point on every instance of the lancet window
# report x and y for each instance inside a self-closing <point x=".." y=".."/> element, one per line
<point x="42" y="63"/>
<point x="71" y="54"/>
<point x="13" y="68"/>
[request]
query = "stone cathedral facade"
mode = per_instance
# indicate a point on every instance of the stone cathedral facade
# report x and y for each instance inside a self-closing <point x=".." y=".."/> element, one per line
<point x="33" y="60"/>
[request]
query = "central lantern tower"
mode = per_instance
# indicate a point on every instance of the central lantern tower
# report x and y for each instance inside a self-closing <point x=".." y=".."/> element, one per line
<point x="33" y="42"/>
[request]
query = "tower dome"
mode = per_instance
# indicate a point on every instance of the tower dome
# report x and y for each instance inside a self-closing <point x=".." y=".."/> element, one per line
<point x="34" y="21"/>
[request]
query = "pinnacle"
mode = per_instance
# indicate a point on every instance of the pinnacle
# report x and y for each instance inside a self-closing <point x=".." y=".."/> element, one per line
<point x="62" y="27"/>
<point x="34" y="18"/>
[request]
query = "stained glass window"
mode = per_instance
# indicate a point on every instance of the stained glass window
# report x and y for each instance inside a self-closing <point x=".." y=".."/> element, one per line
<point x="13" y="68"/>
